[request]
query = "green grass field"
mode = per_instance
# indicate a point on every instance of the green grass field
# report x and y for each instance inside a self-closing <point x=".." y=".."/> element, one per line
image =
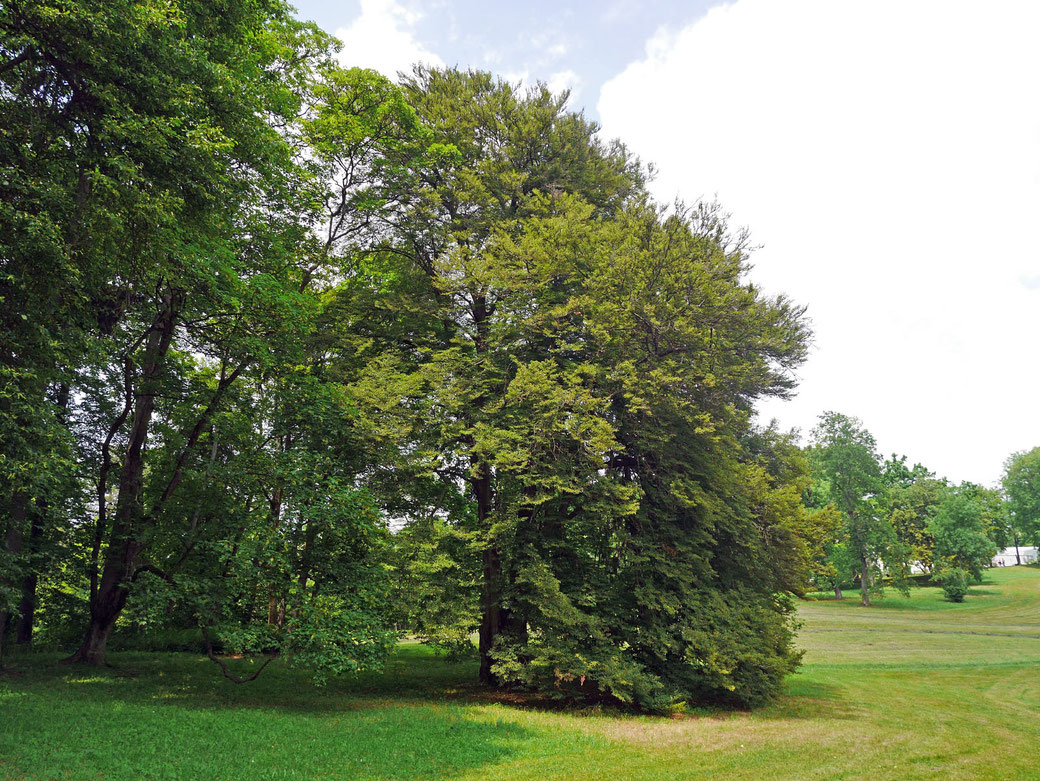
<point x="918" y="688"/>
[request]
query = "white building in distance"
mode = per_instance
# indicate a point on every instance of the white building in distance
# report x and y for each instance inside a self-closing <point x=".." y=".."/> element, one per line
<point x="1008" y="557"/>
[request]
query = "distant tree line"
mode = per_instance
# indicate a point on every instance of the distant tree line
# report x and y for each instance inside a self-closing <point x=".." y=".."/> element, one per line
<point x="890" y="519"/>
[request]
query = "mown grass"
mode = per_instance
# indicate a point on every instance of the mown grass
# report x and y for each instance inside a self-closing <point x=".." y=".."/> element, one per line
<point x="913" y="688"/>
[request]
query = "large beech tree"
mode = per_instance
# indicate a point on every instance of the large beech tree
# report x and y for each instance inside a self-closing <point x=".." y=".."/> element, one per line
<point x="584" y="365"/>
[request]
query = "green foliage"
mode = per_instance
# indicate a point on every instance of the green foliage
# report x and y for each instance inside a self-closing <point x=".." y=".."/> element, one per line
<point x="954" y="582"/>
<point x="910" y="499"/>
<point x="847" y="472"/>
<point x="1021" y="483"/>
<point x="583" y="364"/>
<point x="959" y="529"/>
<point x="435" y="587"/>
<point x="174" y="167"/>
<point x="841" y="566"/>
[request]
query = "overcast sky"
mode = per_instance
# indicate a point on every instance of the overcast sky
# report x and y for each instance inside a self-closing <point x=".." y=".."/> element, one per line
<point x="885" y="154"/>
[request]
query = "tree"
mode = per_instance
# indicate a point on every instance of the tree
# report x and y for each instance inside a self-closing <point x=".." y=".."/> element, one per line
<point x="651" y="577"/>
<point x="500" y="159"/>
<point x="583" y="365"/>
<point x="847" y="466"/>
<point x="190" y="174"/>
<point x="910" y="499"/>
<point x="996" y="521"/>
<point x="1021" y="483"/>
<point x="959" y="529"/>
<point x="300" y="301"/>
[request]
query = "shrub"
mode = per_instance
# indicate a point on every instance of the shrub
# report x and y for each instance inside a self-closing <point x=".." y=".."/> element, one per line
<point x="955" y="583"/>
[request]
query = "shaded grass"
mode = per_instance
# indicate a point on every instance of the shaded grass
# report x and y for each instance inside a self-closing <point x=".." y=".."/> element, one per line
<point x="913" y="688"/>
<point x="173" y="716"/>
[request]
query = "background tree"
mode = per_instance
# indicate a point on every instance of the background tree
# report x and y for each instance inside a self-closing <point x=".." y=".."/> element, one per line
<point x="910" y="500"/>
<point x="1021" y="483"/>
<point x="960" y="531"/>
<point x="848" y="471"/>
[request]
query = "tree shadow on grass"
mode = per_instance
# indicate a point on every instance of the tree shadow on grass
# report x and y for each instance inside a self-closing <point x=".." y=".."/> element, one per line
<point x="175" y="718"/>
<point x="805" y="699"/>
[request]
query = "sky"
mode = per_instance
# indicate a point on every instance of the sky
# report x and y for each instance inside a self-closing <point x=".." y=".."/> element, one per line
<point x="885" y="155"/>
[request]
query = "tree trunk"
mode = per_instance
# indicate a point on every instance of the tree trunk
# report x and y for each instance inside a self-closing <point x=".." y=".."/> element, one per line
<point x="274" y="518"/>
<point x="109" y="603"/>
<point x="124" y="545"/>
<point x="27" y="604"/>
<point x="491" y="590"/>
<point x="864" y="582"/>
<point x="837" y="592"/>
<point x="13" y="544"/>
<point x="102" y="483"/>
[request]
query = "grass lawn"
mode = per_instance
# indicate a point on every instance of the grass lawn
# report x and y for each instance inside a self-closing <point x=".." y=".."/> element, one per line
<point x="918" y="688"/>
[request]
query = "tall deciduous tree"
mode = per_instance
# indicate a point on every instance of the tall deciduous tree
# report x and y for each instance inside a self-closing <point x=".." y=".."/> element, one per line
<point x="185" y="177"/>
<point x="848" y="469"/>
<point x="501" y="157"/>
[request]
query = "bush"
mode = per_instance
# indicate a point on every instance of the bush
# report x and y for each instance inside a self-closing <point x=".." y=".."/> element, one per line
<point x="730" y="647"/>
<point x="955" y="583"/>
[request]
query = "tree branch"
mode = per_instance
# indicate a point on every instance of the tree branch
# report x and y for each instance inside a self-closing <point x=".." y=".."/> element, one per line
<point x="223" y="667"/>
<point x="196" y="432"/>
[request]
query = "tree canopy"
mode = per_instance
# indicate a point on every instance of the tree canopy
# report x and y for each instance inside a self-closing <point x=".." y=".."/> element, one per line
<point x="1021" y="483"/>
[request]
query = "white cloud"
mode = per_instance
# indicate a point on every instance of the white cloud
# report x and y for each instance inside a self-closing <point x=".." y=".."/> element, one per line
<point x="619" y="11"/>
<point x="517" y="77"/>
<point x="557" y="82"/>
<point x="557" y="50"/>
<point x="383" y="38"/>
<point x="566" y="79"/>
<point x="887" y="154"/>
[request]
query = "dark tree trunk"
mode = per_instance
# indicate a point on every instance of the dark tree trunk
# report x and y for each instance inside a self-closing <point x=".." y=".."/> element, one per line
<point x="124" y="545"/>
<point x="491" y="590"/>
<point x="837" y="592"/>
<point x="13" y="544"/>
<point x="102" y="483"/>
<point x="27" y="604"/>
<point x="864" y="583"/>
<point x="274" y="518"/>
<point x="111" y="598"/>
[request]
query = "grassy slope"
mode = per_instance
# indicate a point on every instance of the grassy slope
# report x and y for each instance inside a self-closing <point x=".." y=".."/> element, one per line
<point x="917" y="688"/>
